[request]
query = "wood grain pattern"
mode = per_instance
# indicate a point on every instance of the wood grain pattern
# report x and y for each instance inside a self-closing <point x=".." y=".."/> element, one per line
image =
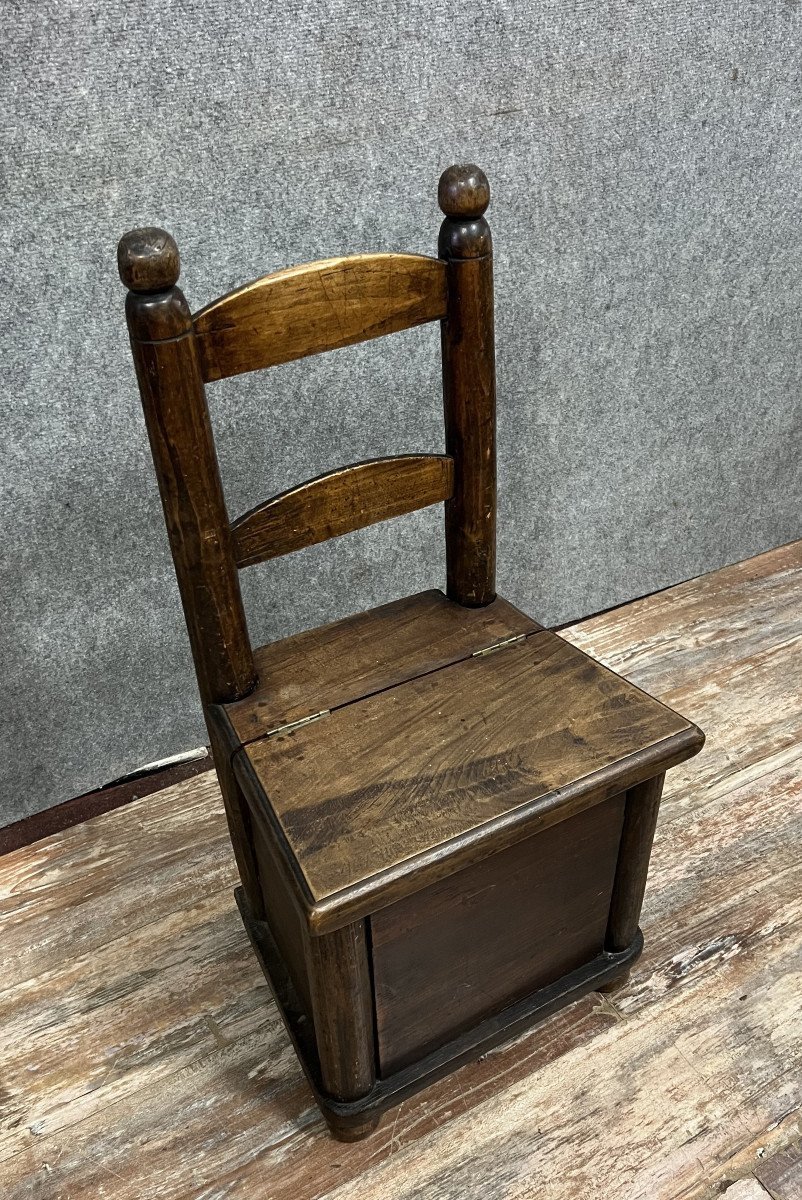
<point x="330" y="666"/>
<point x="469" y="385"/>
<point x="139" y="1055"/>
<point x="315" y="307"/>
<point x="339" y="975"/>
<point x="478" y="941"/>
<point x="378" y="799"/>
<point x="340" y="502"/>
<point x="180" y="434"/>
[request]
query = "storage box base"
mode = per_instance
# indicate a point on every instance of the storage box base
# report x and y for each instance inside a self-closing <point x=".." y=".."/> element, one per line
<point x="354" y="1119"/>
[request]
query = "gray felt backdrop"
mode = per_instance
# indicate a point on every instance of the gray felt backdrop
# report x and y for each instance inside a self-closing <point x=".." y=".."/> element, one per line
<point x="646" y="170"/>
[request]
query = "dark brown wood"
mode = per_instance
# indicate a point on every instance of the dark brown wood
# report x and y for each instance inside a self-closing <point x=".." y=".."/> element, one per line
<point x="442" y="813"/>
<point x="177" y="420"/>
<point x="469" y="385"/>
<point x="378" y="799"/>
<point x="342" y="1006"/>
<point x="640" y="822"/>
<point x="282" y="913"/>
<point x="315" y="307"/>
<point x="477" y="942"/>
<point x="352" y="1120"/>
<point x="340" y="502"/>
<point x="119" y="944"/>
<point x="336" y="664"/>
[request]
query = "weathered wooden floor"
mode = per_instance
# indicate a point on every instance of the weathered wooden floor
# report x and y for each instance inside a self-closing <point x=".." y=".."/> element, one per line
<point x="141" y="1056"/>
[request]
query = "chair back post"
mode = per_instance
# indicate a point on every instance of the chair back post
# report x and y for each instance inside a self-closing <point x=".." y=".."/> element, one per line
<point x="177" y="418"/>
<point x="469" y="385"/>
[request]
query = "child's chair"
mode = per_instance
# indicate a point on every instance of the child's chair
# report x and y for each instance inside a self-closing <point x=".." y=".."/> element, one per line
<point x="441" y="812"/>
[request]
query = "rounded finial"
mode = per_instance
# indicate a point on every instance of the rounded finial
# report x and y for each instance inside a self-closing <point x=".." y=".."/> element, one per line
<point x="463" y="192"/>
<point x="148" y="260"/>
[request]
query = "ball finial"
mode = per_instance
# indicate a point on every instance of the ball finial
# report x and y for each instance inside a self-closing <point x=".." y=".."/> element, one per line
<point x="463" y="193"/>
<point x="148" y="260"/>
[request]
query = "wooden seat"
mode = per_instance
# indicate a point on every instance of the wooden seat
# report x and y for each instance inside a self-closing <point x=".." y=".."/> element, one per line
<point x="441" y="812"/>
<point x="423" y="723"/>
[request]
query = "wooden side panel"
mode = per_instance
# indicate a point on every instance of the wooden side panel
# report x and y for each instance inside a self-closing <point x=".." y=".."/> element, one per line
<point x="282" y="915"/>
<point x="477" y="941"/>
<point x="327" y="667"/>
<point x="315" y="307"/>
<point x="340" y="502"/>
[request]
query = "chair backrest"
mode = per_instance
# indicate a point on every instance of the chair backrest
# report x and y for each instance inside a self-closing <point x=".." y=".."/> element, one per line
<point x="288" y="315"/>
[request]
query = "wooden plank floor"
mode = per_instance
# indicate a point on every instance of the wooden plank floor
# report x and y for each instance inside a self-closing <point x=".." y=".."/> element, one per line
<point x="141" y="1056"/>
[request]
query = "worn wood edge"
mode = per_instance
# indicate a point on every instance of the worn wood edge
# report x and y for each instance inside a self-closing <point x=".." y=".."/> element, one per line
<point x="646" y="695"/>
<point x="504" y="1025"/>
<point x="262" y="812"/>
<point x="226" y="311"/>
<point x="258" y="534"/>
<point x="526" y="821"/>
<point x="415" y="873"/>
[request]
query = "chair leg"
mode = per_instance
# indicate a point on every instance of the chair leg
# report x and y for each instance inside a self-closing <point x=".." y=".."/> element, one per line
<point x="615" y="985"/>
<point x="341" y="994"/>
<point x="640" y="821"/>
<point x="354" y="1129"/>
<point x="239" y="824"/>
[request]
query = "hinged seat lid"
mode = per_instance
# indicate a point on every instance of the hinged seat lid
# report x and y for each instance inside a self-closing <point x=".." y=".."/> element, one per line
<point x="434" y="749"/>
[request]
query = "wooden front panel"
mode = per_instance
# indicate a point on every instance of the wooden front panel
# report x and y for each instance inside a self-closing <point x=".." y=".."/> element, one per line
<point x="466" y="947"/>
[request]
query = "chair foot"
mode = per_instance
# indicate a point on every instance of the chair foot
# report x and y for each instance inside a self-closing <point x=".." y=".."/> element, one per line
<point x="615" y="985"/>
<point x="352" y="1129"/>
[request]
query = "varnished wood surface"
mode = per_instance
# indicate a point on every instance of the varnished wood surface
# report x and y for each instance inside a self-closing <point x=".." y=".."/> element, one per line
<point x="339" y="972"/>
<point x="140" y="1056"/>
<point x="327" y="667"/>
<point x="180" y="434"/>
<point x="297" y="312"/>
<point x="340" y="502"/>
<point x="640" y="821"/>
<point x="469" y="384"/>
<point x="476" y="942"/>
<point x="315" y="307"/>
<point x="380" y="798"/>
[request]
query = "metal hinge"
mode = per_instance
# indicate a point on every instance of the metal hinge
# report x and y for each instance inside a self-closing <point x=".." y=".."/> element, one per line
<point x="291" y="725"/>
<point x="510" y="641"/>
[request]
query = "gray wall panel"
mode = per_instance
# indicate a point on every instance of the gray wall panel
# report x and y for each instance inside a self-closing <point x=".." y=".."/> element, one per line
<point x="645" y="163"/>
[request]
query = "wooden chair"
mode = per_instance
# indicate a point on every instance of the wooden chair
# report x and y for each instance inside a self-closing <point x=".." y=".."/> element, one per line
<point x="441" y="812"/>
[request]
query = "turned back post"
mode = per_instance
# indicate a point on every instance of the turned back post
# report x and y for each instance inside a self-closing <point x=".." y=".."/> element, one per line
<point x="304" y="310"/>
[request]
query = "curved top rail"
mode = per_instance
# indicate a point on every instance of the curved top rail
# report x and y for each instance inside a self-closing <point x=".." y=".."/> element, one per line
<point x="315" y="307"/>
